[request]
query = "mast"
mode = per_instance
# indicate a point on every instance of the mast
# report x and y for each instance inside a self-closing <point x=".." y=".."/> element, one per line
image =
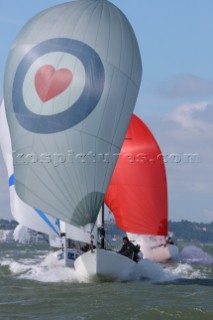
<point x="102" y="229"/>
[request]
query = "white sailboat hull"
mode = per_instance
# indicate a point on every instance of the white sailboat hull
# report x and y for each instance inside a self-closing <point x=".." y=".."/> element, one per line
<point x="104" y="264"/>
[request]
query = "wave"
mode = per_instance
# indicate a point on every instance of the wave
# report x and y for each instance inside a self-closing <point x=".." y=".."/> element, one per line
<point x="48" y="268"/>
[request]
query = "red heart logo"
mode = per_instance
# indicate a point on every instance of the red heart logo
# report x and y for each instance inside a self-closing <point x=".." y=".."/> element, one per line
<point x="50" y="82"/>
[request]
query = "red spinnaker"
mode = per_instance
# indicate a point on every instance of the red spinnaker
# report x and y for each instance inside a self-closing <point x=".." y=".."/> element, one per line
<point x="137" y="193"/>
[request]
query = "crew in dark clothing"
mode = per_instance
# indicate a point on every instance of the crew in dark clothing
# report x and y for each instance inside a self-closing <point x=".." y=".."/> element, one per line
<point x="136" y="257"/>
<point x="127" y="249"/>
<point x="86" y="247"/>
<point x="169" y="240"/>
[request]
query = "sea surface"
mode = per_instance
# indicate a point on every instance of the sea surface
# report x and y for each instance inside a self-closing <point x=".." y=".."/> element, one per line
<point x="35" y="285"/>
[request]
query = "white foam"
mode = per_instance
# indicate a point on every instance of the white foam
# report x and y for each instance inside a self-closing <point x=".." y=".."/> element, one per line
<point x="49" y="269"/>
<point x="5" y="262"/>
<point x="21" y="234"/>
<point x="186" y="271"/>
<point x="17" y="268"/>
<point x="53" y="274"/>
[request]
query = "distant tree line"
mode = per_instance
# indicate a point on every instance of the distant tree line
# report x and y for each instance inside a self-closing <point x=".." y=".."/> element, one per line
<point x="182" y="230"/>
<point x="7" y="225"/>
<point x="192" y="231"/>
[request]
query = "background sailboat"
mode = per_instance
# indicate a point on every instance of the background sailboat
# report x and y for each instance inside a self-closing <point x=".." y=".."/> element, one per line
<point x="137" y="194"/>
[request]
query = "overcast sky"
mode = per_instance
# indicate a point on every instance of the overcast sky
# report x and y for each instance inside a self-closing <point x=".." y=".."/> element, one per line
<point x="176" y="95"/>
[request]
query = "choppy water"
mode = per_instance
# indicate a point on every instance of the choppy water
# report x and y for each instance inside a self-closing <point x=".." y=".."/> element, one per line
<point x="34" y="285"/>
